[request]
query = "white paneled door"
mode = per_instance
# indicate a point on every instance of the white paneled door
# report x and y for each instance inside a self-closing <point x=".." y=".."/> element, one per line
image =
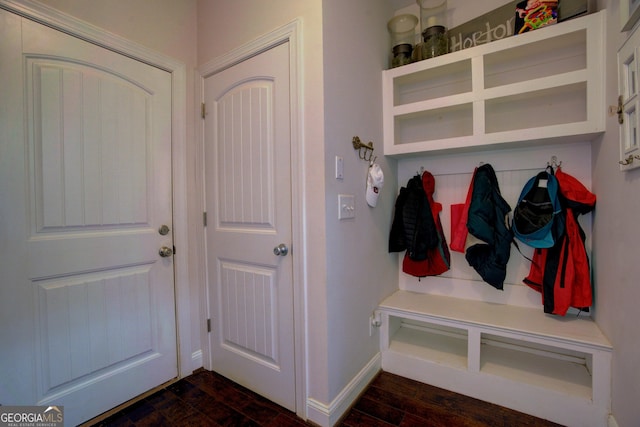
<point x="248" y="201"/>
<point x="87" y="306"/>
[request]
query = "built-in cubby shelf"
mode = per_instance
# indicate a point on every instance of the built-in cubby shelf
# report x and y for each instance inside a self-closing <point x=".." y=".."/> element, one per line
<point x="556" y="368"/>
<point x="545" y="86"/>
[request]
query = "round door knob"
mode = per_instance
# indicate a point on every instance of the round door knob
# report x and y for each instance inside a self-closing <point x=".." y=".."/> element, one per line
<point x="164" y="230"/>
<point x="281" y="250"/>
<point x="165" y="252"/>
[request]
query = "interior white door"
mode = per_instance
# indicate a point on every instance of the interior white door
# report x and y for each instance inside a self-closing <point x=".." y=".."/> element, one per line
<point x="248" y="201"/>
<point x="87" y="305"/>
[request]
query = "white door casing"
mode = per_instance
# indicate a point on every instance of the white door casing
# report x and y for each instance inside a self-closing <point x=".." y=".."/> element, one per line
<point x="90" y="301"/>
<point x="248" y="198"/>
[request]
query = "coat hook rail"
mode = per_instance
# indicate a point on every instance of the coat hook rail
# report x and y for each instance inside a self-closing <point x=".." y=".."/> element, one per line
<point x="367" y="154"/>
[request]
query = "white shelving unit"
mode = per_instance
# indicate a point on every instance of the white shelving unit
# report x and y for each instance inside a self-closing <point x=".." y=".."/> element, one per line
<point x="544" y="86"/>
<point x="556" y="368"/>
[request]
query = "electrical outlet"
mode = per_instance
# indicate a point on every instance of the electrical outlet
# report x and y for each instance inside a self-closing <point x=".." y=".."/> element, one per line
<point x="374" y="322"/>
<point x="371" y="325"/>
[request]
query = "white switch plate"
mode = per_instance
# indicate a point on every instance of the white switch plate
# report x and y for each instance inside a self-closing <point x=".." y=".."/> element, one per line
<point x="346" y="206"/>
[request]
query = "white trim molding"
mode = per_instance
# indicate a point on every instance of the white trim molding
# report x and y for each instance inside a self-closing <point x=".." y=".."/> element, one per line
<point x="53" y="18"/>
<point x="328" y="415"/>
<point x="291" y="33"/>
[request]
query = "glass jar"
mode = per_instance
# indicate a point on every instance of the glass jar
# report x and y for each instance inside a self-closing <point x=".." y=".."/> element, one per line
<point x="435" y="42"/>
<point x="433" y="27"/>
<point x="401" y="55"/>
<point x="432" y="12"/>
<point x="402" y="29"/>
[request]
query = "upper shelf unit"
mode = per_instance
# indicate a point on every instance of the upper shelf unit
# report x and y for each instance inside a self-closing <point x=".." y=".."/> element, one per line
<point x="547" y="84"/>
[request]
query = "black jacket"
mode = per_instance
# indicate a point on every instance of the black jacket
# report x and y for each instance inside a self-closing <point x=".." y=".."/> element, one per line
<point x="413" y="228"/>
<point x="487" y="222"/>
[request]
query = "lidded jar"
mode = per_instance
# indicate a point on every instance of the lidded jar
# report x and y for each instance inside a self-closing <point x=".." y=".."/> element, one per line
<point x="433" y="26"/>
<point x="402" y="30"/>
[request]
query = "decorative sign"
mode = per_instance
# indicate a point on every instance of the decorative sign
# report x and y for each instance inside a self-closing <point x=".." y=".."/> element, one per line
<point x="568" y="9"/>
<point x="494" y="25"/>
<point x="501" y="22"/>
<point x="534" y="14"/>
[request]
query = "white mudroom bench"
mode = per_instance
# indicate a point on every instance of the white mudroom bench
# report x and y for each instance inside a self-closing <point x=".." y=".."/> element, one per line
<point x="555" y="368"/>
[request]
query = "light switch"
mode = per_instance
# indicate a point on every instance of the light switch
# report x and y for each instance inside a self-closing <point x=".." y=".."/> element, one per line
<point x="346" y="206"/>
<point x="339" y="167"/>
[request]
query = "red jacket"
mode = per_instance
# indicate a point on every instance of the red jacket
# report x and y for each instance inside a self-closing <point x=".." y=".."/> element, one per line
<point x="562" y="273"/>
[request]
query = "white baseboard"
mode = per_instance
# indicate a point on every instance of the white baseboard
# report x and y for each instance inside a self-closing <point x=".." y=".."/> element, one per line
<point x="327" y="415"/>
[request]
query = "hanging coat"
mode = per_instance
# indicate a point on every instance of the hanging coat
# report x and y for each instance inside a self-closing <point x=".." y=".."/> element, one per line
<point x="438" y="258"/>
<point x="562" y="273"/>
<point x="413" y="228"/>
<point x="487" y="221"/>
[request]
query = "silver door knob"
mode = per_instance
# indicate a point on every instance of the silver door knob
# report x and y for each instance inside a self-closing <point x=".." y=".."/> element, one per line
<point x="165" y="252"/>
<point x="281" y="250"/>
<point x="164" y="230"/>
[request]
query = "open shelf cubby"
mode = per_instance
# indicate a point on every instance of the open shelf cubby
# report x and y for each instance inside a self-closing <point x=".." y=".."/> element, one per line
<point x="556" y="368"/>
<point x="545" y="85"/>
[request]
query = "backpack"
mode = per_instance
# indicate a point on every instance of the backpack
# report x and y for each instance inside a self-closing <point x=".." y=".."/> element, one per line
<point x="537" y="218"/>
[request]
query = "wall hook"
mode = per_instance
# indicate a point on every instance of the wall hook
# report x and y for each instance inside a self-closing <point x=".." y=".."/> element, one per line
<point x="367" y="154"/>
<point x="627" y="161"/>
<point x="554" y="164"/>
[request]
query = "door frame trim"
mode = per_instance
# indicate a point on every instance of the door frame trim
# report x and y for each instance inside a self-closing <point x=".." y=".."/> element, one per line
<point x="291" y="33"/>
<point x="57" y="20"/>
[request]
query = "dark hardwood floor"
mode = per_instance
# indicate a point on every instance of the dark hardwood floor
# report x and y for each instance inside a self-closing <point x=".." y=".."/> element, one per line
<point x="208" y="399"/>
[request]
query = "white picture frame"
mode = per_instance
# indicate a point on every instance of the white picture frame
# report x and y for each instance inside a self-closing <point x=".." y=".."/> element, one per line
<point x="629" y="14"/>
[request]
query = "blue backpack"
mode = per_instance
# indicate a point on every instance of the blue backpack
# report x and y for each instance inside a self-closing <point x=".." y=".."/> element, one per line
<point x="537" y="219"/>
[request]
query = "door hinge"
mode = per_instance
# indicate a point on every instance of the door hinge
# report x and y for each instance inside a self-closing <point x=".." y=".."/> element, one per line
<point x="208" y="325"/>
<point x="204" y="219"/>
<point x="174" y="249"/>
<point x="203" y="110"/>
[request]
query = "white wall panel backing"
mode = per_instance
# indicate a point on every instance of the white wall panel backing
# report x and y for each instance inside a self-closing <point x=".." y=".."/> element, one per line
<point x="249" y="311"/>
<point x="91" y="155"/>
<point x="245" y="155"/>
<point x="81" y="324"/>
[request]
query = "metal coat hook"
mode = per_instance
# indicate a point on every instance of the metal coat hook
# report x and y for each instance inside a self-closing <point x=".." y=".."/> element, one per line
<point x="367" y="154"/>
<point x="554" y="164"/>
<point x="629" y="159"/>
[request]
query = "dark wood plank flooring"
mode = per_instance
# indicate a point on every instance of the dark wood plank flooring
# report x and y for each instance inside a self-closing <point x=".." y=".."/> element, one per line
<point x="208" y="399"/>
